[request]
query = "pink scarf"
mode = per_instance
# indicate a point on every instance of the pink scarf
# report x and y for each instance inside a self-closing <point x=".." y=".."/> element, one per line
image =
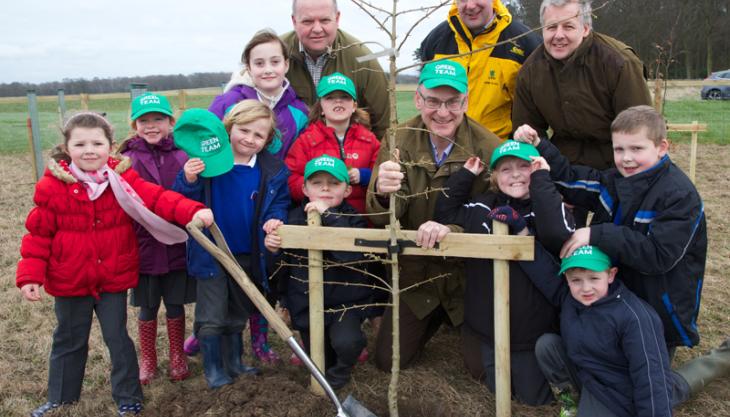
<point x="95" y="184"/>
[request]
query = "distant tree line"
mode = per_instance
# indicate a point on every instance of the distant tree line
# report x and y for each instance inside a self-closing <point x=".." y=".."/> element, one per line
<point x="683" y="39"/>
<point x="117" y="84"/>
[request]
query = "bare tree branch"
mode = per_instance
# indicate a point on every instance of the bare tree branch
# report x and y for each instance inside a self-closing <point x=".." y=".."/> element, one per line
<point x="421" y="19"/>
<point x="363" y="5"/>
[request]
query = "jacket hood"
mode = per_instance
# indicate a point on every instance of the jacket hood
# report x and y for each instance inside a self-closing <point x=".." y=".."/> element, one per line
<point x="61" y="171"/>
<point x="241" y="77"/>
<point x="502" y="18"/>
<point x="137" y="143"/>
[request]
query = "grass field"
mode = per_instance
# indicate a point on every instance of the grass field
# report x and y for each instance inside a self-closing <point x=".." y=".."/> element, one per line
<point x="14" y="113"/>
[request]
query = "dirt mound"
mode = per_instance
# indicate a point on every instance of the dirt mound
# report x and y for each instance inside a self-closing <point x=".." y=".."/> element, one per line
<point x="279" y="392"/>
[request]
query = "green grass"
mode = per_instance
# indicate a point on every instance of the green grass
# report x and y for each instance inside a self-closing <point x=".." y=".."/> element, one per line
<point x="14" y="135"/>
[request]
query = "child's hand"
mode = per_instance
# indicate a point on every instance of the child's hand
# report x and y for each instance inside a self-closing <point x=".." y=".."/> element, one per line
<point x="354" y="175"/>
<point x="320" y="206"/>
<point x="474" y="165"/>
<point x="192" y="168"/>
<point x="581" y="237"/>
<point x="511" y="218"/>
<point x="205" y="216"/>
<point x="429" y="233"/>
<point x="31" y="292"/>
<point x="526" y="134"/>
<point x="271" y="225"/>
<point x="538" y="162"/>
<point x="272" y="241"/>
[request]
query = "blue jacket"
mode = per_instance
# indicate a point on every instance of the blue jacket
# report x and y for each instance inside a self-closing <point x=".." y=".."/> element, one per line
<point x="652" y="225"/>
<point x="274" y="205"/>
<point x="616" y="343"/>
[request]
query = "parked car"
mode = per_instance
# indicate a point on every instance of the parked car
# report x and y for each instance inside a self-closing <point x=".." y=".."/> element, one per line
<point x="716" y="91"/>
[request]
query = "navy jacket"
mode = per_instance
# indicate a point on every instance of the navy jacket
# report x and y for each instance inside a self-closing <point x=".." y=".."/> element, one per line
<point x="531" y="315"/>
<point x="616" y="343"/>
<point x="295" y="276"/>
<point x="652" y="225"/>
<point x="272" y="203"/>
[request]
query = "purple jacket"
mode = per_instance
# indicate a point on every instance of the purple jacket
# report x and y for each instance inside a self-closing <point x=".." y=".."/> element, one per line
<point x="291" y="113"/>
<point x="158" y="164"/>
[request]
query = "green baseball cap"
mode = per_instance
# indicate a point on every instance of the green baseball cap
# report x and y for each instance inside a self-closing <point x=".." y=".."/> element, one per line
<point x="586" y="257"/>
<point x="148" y="103"/>
<point x="201" y="134"/>
<point x="328" y="164"/>
<point x="440" y="73"/>
<point x="513" y="148"/>
<point x="336" y="82"/>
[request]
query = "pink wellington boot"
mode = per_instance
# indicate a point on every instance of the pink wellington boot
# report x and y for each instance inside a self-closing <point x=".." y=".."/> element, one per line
<point x="147" y="350"/>
<point x="178" y="361"/>
<point x="259" y="339"/>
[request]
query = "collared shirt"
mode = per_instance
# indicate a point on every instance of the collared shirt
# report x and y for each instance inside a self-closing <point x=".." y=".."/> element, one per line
<point x="444" y="155"/>
<point x="315" y="66"/>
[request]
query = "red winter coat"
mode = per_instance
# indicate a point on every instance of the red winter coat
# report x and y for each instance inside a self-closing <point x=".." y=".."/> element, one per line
<point x="360" y="151"/>
<point x="78" y="247"/>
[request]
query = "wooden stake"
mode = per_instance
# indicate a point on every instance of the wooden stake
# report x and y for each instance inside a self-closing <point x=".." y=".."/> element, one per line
<point x="84" y="101"/>
<point x="182" y="100"/>
<point x="502" y="374"/>
<point x="32" y="150"/>
<point x="316" y="304"/>
<point x="693" y="152"/>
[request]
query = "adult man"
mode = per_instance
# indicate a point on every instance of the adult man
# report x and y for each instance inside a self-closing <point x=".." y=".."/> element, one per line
<point x="576" y="83"/>
<point x="317" y="48"/>
<point x="472" y="25"/>
<point x="431" y="146"/>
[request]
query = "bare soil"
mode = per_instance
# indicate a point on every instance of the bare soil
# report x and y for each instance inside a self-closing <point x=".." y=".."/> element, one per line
<point x="436" y="386"/>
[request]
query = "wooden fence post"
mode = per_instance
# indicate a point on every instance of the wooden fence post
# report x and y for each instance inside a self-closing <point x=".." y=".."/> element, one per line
<point x="84" y="101"/>
<point x="693" y="152"/>
<point x="182" y="100"/>
<point x="502" y="372"/>
<point x="316" y="306"/>
<point x="61" y="105"/>
<point x="34" y="135"/>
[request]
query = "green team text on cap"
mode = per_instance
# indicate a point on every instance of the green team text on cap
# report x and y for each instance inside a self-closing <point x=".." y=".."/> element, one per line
<point x="513" y="148"/>
<point x="336" y="82"/>
<point x="148" y="103"/>
<point x="586" y="257"/>
<point x="444" y="73"/>
<point x="201" y="134"/>
<point x="328" y="164"/>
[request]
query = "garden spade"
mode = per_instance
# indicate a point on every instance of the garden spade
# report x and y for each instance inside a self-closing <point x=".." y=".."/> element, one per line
<point x="220" y="251"/>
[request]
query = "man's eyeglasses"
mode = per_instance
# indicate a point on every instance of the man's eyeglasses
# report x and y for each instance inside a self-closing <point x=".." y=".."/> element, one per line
<point x="433" y="103"/>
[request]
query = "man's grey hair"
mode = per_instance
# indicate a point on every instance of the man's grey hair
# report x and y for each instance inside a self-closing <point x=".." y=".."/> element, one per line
<point x="585" y="11"/>
<point x="294" y="7"/>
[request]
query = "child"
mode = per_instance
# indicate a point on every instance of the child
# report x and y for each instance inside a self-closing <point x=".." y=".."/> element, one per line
<point x="326" y="188"/>
<point x="246" y="188"/>
<point x="336" y="127"/>
<point x="611" y="348"/>
<point x="648" y="216"/>
<point x="82" y="247"/>
<point x="522" y="188"/>
<point x="266" y="61"/>
<point x="163" y="277"/>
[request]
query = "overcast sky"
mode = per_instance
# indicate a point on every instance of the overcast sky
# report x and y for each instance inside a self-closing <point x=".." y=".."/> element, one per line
<point x="49" y="40"/>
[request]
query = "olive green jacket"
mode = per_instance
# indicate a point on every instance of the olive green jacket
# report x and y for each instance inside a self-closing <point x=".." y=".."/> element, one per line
<point x="369" y="78"/>
<point x="423" y="181"/>
<point x="578" y="98"/>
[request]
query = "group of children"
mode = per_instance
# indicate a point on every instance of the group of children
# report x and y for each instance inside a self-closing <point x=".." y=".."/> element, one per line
<point x="88" y="245"/>
<point x="101" y="226"/>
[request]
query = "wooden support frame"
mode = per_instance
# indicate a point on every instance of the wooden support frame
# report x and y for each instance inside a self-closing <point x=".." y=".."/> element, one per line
<point x="694" y="128"/>
<point x="498" y="246"/>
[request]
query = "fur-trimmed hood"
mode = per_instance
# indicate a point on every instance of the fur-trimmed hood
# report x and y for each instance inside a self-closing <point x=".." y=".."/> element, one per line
<point x="60" y="169"/>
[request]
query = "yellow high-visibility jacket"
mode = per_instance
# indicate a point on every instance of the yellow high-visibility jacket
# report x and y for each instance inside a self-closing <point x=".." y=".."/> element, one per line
<point x="493" y="71"/>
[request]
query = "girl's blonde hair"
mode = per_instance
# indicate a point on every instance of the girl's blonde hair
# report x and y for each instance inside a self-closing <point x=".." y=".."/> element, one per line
<point x="247" y="111"/>
<point x="359" y="116"/>
<point x="85" y="119"/>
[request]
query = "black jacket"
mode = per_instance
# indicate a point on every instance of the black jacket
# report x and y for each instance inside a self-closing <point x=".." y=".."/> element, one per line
<point x="652" y="225"/>
<point x="616" y="343"/>
<point x="295" y="279"/>
<point x="531" y="315"/>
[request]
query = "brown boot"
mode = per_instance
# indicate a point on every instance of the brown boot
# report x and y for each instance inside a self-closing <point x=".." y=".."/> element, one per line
<point x="178" y="360"/>
<point x="147" y="350"/>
